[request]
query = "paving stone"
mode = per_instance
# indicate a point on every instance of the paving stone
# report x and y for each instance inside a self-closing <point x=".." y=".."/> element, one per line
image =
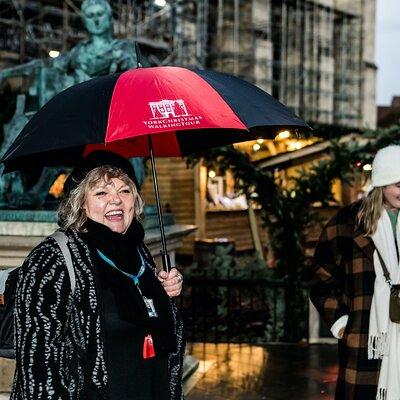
<point x="275" y="372"/>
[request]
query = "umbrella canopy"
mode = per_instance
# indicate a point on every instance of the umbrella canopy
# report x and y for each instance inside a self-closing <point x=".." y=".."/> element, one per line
<point x="183" y="110"/>
<point x="161" y="111"/>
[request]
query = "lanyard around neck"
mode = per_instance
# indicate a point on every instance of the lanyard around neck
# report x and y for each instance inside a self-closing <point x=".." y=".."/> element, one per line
<point x="135" y="278"/>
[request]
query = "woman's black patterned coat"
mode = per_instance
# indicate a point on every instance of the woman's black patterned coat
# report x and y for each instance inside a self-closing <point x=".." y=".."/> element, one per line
<point x="59" y="336"/>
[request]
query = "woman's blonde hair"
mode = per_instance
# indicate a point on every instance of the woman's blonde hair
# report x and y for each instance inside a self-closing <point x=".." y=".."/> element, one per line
<point x="370" y="211"/>
<point x="71" y="213"/>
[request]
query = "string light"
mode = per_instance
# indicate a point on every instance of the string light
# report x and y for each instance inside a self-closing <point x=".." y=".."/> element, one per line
<point x="212" y="174"/>
<point x="160" y="3"/>
<point x="256" y="147"/>
<point x="260" y="141"/>
<point x="298" y="145"/>
<point x="283" y="135"/>
<point x="54" y="53"/>
<point x="367" y="167"/>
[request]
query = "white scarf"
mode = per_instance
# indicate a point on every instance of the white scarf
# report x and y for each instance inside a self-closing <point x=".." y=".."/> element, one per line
<point x="383" y="334"/>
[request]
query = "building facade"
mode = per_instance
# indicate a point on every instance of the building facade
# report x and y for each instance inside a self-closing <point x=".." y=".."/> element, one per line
<point x="316" y="56"/>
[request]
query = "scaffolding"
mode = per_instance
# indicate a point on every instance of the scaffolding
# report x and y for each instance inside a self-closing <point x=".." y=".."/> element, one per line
<point x="306" y="53"/>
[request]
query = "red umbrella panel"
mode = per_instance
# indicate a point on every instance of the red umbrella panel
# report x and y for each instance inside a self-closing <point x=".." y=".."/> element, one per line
<point x="165" y="104"/>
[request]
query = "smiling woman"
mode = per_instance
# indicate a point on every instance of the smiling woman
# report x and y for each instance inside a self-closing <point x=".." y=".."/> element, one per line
<point x="118" y="336"/>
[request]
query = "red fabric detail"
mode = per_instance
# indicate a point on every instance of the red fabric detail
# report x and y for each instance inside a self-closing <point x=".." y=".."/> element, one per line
<point x="161" y="101"/>
<point x="164" y="144"/>
<point x="148" y="347"/>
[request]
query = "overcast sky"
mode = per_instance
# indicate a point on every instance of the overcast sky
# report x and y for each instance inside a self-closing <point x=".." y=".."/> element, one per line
<point x="387" y="50"/>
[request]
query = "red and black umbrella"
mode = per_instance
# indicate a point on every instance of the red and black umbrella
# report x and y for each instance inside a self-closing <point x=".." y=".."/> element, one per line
<point x="160" y="111"/>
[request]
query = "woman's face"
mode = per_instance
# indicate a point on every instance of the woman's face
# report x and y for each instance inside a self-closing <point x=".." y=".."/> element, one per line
<point x="110" y="202"/>
<point x="391" y="195"/>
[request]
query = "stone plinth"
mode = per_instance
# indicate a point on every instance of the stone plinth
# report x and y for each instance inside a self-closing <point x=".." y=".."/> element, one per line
<point x="21" y="231"/>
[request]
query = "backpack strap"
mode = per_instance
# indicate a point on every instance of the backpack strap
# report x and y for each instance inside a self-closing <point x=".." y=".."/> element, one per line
<point x="62" y="240"/>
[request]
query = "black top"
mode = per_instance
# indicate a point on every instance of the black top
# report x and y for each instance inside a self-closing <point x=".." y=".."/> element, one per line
<point x="126" y="321"/>
<point x="130" y="376"/>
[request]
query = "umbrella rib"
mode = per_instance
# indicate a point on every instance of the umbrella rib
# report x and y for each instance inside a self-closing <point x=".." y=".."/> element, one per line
<point x="164" y="252"/>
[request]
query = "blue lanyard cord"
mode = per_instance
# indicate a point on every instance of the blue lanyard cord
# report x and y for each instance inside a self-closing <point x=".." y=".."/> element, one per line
<point x="146" y="262"/>
<point x="135" y="278"/>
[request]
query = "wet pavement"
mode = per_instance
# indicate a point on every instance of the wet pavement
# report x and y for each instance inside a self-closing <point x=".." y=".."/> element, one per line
<point x="273" y="372"/>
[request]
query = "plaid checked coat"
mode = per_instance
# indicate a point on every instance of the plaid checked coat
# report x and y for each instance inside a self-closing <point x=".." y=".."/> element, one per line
<point x="344" y="284"/>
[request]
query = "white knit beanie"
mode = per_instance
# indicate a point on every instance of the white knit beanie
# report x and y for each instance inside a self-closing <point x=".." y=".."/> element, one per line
<point x="386" y="166"/>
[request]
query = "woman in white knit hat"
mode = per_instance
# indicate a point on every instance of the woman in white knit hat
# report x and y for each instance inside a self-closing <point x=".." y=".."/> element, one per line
<point x="355" y="263"/>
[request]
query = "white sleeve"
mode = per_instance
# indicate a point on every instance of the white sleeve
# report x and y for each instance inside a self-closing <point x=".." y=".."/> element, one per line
<point x="338" y="325"/>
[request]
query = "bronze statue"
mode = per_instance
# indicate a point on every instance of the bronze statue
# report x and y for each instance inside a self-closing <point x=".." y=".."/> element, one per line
<point x="100" y="54"/>
<point x="12" y="183"/>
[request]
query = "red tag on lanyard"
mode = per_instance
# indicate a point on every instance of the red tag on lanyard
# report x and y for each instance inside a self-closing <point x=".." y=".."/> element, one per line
<point x="148" y="347"/>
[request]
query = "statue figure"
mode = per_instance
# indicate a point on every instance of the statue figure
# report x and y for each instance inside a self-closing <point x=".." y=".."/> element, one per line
<point x="12" y="183"/>
<point x="100" y="54"/>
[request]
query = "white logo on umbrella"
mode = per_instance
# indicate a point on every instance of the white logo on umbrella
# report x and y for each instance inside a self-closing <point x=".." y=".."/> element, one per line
<point x="168" y="108"/>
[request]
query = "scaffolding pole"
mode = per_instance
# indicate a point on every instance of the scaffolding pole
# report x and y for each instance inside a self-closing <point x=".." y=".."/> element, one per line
<point x="220" y="34"/>
<point x="236" y="49"/>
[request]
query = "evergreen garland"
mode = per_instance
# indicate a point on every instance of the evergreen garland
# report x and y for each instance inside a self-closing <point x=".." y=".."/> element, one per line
<point x="287" y="211"/>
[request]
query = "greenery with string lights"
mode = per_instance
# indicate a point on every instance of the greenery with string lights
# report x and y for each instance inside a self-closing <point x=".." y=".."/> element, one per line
<point x="287" y="210"/>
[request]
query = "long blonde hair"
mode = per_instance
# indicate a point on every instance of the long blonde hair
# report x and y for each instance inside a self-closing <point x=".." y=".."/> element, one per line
<point x="370" y="211"/>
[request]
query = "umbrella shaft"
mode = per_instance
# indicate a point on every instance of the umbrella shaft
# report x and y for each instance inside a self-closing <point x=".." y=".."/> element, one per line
<point x="164" y="252"/>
